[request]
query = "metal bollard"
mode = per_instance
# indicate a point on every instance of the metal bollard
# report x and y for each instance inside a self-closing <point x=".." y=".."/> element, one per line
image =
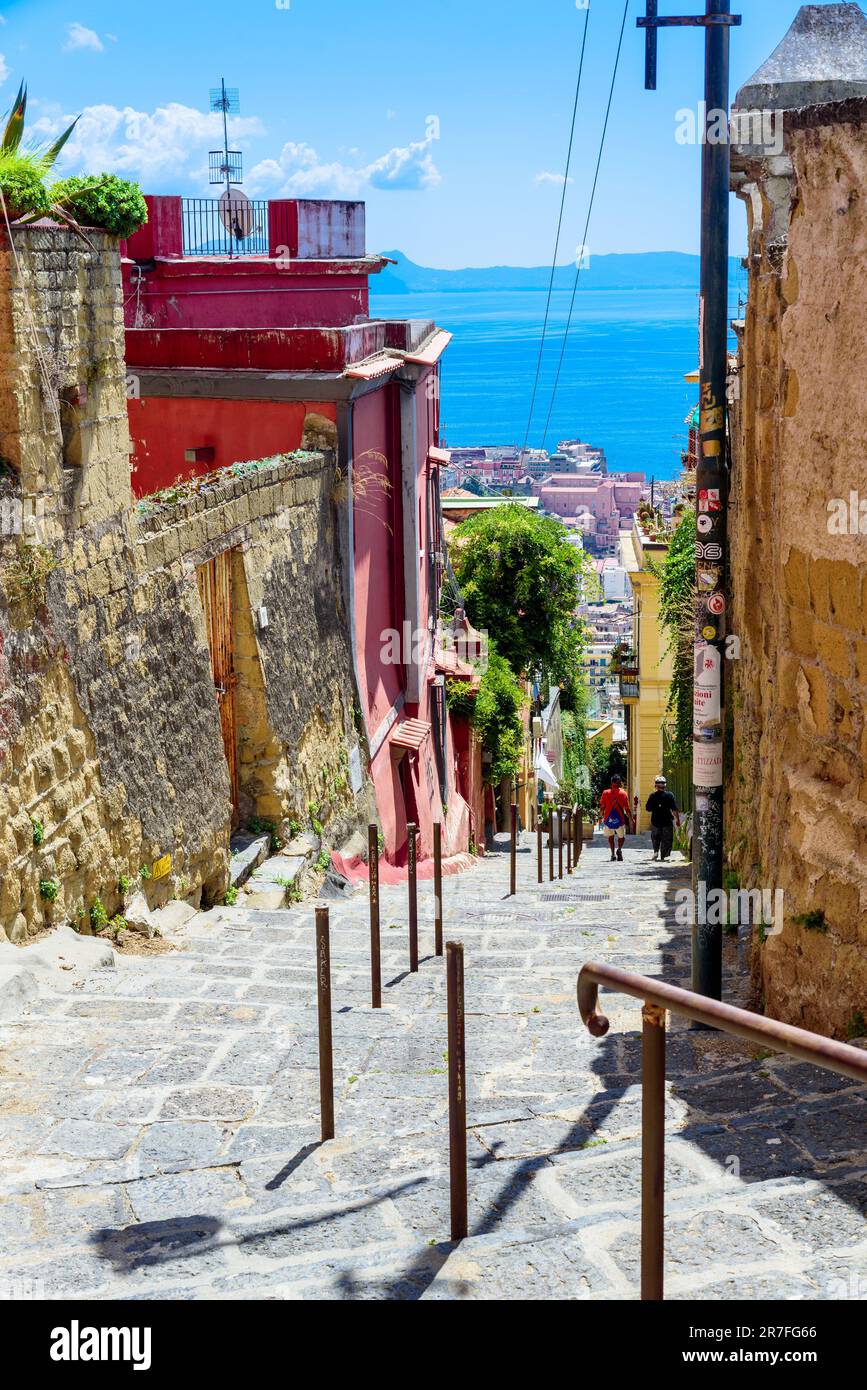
<point x="457" y="1089"/>
<point x="568" y="839"/>
<point x="551" y="846"/>
<point x="539" y="847"/>
<point x="375" y="966"/>
<point x="652" y="1151"/>
<point x="438" y="888"/>
<point x="323" y="1000"/>
<point x="559" y="841"/>
<point x="412" y="887"/>
<point x="513" y="853"/>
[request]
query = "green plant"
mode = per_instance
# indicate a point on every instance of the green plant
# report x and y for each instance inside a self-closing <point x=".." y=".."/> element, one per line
<point x="380" y="841"/>
<point x="495" y="712"/>
<point x="677" y="614"/>
<point x="24" y="576"/>
<point x="98" y="915"/>
<point x="857" y="1026"/>
<point x="38" y="829"/>
<point x="813" y="921"/>
<point x="522" y="580"/>
<point x="144" y="873"/>
<point x="23" y="170"/>
<point x="22" y="185"/>
<point x="49" y="888"/>
<point x="230" y="897"/>
<point x="123" y="885"/>
<point x="324" y="861"/>
<point x="102" y="200"/>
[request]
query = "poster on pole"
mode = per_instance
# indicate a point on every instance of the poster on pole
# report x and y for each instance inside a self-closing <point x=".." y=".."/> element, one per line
<point x="707" y="764"/>
<point x="707" y="687"/>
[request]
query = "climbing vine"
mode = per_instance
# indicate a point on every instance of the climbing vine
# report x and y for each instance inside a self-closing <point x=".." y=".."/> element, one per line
<point x="677" y="614"/>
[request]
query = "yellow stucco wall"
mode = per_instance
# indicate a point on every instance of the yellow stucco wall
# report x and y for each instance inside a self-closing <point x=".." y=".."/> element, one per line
<point x="644" y="754"/>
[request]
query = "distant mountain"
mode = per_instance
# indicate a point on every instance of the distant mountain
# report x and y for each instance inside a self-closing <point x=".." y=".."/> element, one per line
<point x="660" y="270"/>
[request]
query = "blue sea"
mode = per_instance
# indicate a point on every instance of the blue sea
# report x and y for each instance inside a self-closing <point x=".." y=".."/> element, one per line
<point x="621" y="387"/>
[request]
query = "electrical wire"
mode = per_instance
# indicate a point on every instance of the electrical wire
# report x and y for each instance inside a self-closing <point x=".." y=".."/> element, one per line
<point x="586" y="224"/>
<point x="559" y="230"/>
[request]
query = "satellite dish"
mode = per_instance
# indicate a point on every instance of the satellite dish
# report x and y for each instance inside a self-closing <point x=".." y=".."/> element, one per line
<point x="236" y="213"/>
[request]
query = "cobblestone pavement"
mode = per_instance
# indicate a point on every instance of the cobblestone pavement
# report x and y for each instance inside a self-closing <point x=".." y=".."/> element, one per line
<point x="159" y="1124"/>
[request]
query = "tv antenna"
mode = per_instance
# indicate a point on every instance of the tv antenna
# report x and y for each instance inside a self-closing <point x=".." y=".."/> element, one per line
<point x="226" y="166"/>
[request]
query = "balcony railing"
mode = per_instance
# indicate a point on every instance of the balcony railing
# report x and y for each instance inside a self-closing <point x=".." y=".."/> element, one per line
<point x="630" y="687"/>
<point x="234" y="228"/>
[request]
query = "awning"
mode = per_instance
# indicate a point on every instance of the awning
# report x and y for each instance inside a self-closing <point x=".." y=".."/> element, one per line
<point x="410" y="734"/>
<point x="369" y="368"/>
<point x="432" y="350"/>
<point x="443" y="456"/>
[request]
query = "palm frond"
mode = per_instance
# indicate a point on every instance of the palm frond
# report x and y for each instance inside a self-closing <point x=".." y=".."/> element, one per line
<point x="54" y="150"/>
<point x="14" y="128"/>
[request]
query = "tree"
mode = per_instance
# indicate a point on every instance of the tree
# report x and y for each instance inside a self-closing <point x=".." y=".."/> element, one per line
<point x="677" y="614"/>
<point x="494" y="710"/>
<point x="522" y="581"/>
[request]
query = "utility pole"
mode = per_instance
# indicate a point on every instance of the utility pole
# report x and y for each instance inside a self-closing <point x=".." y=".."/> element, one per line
<point x="711" y="475"/>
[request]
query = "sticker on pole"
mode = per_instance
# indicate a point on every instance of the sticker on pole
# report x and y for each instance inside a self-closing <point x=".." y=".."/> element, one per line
<point x="707" y="764"/>
<point x="707" y="687"/>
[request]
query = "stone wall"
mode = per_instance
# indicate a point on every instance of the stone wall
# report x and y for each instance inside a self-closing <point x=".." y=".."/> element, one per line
<point x="110" y="740"/>
<point x="798" y="795"/>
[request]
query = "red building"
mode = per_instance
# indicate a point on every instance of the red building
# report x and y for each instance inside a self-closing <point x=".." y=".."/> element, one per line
<point x="242" y="357"/>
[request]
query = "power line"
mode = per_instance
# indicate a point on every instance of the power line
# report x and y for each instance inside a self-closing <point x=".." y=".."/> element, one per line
<point x="559" y="229"/>
<point x="586" y="224"/>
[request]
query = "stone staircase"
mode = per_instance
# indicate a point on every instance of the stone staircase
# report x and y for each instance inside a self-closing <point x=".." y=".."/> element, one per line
<point x="160" y="1125"/>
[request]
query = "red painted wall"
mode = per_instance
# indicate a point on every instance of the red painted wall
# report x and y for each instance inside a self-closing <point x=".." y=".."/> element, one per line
<point x="162" y="428"/>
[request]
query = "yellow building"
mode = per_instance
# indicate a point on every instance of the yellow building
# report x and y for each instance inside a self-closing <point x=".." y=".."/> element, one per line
<point x="645" y="676"/>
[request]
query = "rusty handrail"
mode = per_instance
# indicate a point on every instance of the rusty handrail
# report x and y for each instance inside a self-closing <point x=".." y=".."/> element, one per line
<point x="657" y="997"/>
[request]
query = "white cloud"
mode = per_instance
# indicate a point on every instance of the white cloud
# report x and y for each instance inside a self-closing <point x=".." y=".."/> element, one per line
<point x="143" y="144"/>
<point x="4" y="68"/>
<point x="77" y="36"/>
<point x="545" y="177"/>
<point x="299" y="172"/>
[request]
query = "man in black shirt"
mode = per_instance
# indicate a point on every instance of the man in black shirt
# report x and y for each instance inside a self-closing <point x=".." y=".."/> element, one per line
<point x="663" y="814"/>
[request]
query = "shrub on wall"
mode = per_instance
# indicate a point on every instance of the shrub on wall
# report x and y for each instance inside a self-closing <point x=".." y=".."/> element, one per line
<point x="22" y="186"/>
<point x="102" y="200"/>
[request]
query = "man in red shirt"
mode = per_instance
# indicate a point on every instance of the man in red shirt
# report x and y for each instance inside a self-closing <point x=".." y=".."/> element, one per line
<point x="615" y="815"/>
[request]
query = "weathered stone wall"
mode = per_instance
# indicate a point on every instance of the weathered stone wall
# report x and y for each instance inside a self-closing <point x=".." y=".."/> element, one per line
<point x="798" y="797"/>
<point x="110" y="741"/>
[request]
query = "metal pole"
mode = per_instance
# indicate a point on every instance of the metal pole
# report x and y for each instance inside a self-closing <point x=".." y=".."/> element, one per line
<point x="652" y="1151"/>
<point x="457" y="1089"/>
<point x="579" y="834"/>
<point x="539" y="874"/>
<point x="711" y="475"/>
<point x="412" y="888"/>
<point x="373" y="869"/>
<point x="513" y="853"/>
<point x="323" y="1000"/>
<point x="438" y="888"/>
<point x="551" y="845"/>
<point x="568" y="839"/>
<point x="559" y="841"/>
<point x="712" y="495"/>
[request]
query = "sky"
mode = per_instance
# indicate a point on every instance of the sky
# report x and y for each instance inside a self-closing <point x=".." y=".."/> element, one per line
<point x="450" y="119"/>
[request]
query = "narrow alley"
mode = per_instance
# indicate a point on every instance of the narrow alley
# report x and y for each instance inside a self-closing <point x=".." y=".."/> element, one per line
<point x="160" y="1130"/>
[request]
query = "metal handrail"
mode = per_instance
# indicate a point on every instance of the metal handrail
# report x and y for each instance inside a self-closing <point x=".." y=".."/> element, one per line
<point x="657" y="997"/>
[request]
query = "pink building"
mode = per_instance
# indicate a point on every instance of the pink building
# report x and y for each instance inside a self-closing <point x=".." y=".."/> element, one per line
<point x="598" y="506"/>
<point x="243" y="357"/>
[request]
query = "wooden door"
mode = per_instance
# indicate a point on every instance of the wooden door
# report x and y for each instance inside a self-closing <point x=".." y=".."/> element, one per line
<point x="215" y="588"/>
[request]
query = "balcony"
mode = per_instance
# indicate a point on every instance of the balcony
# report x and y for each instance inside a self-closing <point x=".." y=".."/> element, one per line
<point x="630" y="686"/>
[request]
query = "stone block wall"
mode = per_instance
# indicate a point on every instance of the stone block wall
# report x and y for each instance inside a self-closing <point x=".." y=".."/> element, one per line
<point x="797" y="813"/>
<point x="111" y="749"/>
